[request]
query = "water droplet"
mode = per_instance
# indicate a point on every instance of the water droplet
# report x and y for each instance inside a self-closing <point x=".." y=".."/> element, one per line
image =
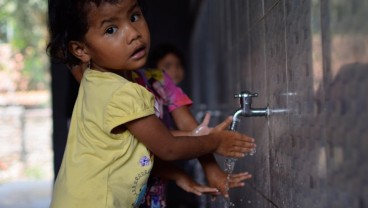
<point x="229" y="165"/>
<point x="252" y="152"/>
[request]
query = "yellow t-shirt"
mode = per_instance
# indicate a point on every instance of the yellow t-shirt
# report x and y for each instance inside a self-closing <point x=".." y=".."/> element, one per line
<point x="101" y="169"/>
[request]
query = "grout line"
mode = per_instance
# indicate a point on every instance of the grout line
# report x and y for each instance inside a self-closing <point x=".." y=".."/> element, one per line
<point x="265" y="15"/>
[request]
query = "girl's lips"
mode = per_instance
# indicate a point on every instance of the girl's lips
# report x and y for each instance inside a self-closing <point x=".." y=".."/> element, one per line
<point x="139" y="53"/>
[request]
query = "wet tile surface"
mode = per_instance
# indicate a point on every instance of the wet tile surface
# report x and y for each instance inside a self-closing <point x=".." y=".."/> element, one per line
<point x="308" y="60"/>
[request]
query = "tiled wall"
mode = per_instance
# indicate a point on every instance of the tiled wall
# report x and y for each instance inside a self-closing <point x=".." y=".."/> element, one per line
<point x="308" y="61"/>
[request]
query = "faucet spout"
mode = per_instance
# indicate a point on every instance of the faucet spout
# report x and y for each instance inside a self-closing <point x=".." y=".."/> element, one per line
<point x="246" y="109"/>
<point x="259" y="112"/>
<point x="236" y="119"/>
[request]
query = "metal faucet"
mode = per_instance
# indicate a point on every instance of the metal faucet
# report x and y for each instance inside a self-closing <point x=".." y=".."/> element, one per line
<point x="246" y="109"/>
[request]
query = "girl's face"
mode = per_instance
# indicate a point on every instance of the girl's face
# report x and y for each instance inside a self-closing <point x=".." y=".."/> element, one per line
<point x="173" y="67"/>
<point x="118" y="37"/>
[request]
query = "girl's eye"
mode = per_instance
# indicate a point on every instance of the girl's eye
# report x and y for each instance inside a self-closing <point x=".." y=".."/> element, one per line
<point x="111" y="30"/>
<point x="135" y="17"/>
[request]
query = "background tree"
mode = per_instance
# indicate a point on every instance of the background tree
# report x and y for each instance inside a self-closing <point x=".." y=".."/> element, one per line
<point x="23" y="28"/>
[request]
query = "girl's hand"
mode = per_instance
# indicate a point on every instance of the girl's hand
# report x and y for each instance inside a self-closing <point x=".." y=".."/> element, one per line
<point x="232" y="143"/>
<point x="236" y="180"/>
<point x="218" y="179"/>
<point x="189" y="185"/>
<point x="203" y="129"/>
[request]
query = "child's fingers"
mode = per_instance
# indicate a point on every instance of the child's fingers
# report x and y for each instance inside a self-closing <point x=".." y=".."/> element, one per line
<point x="236" y="180"/>
<point x="199" y="190"/>
<point x="239" y="177"/>
<point x="244" y="144"/>
<point x="245" y="138"/>
<point x="203" y="129"/>
<point x="222" y="187"/>
<point x="208" y="190"/>
<point x="234" y="144"/>
<point x="224" y="125"/>
<point x="235" y="155"/>
<point x="240" y="148"/>
<point x="241" y="152"/>
<point x="225" y="193"/>
<point x="196" y="192"/>
<point x="206" y="119"/>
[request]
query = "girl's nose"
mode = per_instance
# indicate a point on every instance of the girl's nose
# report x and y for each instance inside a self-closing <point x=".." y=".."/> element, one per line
<point x="132" y="34"/>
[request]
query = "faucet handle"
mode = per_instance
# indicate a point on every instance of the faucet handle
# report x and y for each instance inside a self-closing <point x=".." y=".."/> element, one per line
<point x="245" y="94"/>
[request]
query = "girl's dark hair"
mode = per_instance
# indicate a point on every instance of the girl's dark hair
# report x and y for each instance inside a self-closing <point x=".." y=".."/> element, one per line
<point x="160" y="52"/>
<point x="67" y="21"/>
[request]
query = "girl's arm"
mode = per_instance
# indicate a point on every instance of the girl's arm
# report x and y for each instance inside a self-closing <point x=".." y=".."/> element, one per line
<point x="184" y="119"/>
<point x="153" y="133"/>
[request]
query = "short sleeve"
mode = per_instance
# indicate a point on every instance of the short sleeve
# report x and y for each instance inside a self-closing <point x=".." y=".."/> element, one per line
<point x="128" y="103"/>
<point x="175" y="96"/>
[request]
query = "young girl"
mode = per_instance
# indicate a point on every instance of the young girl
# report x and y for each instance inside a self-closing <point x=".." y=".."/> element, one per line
<point x="176" y="102"/>
<point x="114" y="132"/>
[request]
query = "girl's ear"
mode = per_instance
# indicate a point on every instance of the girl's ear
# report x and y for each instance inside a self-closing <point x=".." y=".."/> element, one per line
<point x="79" y="51"/>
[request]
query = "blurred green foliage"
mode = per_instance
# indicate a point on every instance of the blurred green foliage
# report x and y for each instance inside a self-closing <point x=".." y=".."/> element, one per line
<point x="23" y="25"/>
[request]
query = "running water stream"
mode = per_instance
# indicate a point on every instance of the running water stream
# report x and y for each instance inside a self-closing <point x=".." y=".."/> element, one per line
<point x="230" y="164"/>
<point x="245" y="110"/>
<point x="229" y="168"/>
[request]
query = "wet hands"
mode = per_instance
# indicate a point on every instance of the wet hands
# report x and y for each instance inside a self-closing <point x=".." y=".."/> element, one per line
<point x="187" y="184"/>
<point x="203" y="129"/>
<point x="219" y="183"/>
<point x="216" y="177"/>
<point x="232" y="144"/>
<point x="223" y="182"/>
